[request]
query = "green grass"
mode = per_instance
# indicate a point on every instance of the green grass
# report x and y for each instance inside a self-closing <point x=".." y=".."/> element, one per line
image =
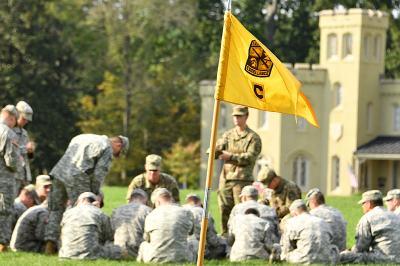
<point x="115" y="196"/>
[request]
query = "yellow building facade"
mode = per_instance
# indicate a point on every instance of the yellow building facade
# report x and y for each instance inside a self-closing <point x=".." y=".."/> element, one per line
<point x="357" y="146"/>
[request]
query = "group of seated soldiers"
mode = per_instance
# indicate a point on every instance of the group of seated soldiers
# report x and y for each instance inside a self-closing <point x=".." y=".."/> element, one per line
<point x="153" y="227"/>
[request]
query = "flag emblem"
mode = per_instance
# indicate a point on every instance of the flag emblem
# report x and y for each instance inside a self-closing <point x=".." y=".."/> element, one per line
<point x="258" y="62"/>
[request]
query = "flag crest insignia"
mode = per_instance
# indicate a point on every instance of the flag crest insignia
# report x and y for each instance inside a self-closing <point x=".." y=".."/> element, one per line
<point x="258" y="62"/>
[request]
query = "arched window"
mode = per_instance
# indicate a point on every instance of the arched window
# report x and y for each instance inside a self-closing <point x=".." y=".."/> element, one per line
<point x="347" y="44"/>
<point x="337" y="94"/>
<point x="377" y="47"/>
<point x="332" y="45"/>
<point x="263" y="120"/>
<point x="396" y="117"/>
<point x="369" y="117"/>
<point x="301" y="170"/>
<point x="335" y="171"/>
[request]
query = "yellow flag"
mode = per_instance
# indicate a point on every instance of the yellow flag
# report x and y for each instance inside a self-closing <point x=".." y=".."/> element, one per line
<point x="249" y="74"/>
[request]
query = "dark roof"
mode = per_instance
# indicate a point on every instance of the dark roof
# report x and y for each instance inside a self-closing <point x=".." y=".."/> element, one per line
<point x="381" y="145"/>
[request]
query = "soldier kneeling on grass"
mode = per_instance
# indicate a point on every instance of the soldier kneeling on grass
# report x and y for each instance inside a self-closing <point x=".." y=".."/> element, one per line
<point x="86" y="231"/>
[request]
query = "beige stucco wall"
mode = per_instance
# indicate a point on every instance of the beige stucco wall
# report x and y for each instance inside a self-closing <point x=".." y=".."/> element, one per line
<point x="343" y="128"/>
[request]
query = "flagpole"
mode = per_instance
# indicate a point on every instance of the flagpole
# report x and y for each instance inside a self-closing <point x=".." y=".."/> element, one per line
<point x="210" y="167"/>
<point x="221" y="79"/>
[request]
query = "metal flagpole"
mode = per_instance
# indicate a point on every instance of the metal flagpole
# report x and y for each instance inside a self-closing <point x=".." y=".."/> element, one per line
<point x="210" y="167"/>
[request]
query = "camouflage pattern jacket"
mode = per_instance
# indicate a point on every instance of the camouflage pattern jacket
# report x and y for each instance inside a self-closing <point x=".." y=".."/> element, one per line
<point x="283" y="196"/>
<point x="378" y="233"/>
<point x="86" y="234"/>
<point x="166" y="181"/>
<point x="267" y="213"/>
<point x="87" y="159"/>
<point x="307" y="239"/>
<point x="127" y="222"/>
<point x="336" y="221"/>
<point x="245" y="148"/>
<point x="251" y="238"/>
<point x="28" y="234"/>
<point x="22" y="140"/>
<point x="166" y="230"/>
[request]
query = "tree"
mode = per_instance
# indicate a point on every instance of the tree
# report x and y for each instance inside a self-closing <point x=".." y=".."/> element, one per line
<point x="38" y="66"/>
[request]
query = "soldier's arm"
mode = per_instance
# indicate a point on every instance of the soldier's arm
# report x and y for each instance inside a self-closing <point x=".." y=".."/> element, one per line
<point x="101" y="170"/>
<point x="363" y="236"/>
<point x="175" y="191"/>
<point x="221" y="145"/>
<point x="212" y="237"/>
<point x="135" y="183"/>
<point x="251" y="154"/>
<point x="12" y="155"/>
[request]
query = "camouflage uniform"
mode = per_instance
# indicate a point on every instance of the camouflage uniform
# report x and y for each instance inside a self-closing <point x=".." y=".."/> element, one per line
<point x="24" y="174"/>
<point x="166" y="181"/>
<point x="283" y="196"/>
<point x="238" y="171"/>
<point x="166" y="231"/>
<point x="82" y="168"/>
<point x="251" y="237"/>
<point x="127" y="222"/>
<point x="336" y="221"/>
<point x="9" y="163"/>
<point x="377" y="239"/>
<point x="86" y="234"/>
<point x="397" y="211"/>
<point x="28" y="234"/>
<point x="267" y="213"/>
<point x="215" y="245"/>
<point x="307" y="239"/>
<point x="19" y="209"/>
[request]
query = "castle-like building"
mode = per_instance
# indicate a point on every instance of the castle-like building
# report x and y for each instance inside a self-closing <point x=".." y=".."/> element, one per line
<point x="357" y="146"/>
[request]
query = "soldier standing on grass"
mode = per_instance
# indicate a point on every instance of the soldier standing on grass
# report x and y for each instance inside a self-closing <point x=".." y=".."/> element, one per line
<point x="9" y="164"/>
<point x="26" y="146"/>
<point x="239" y="148"/>
<point x="153" y="178"/>
<point x="82" y="168"/>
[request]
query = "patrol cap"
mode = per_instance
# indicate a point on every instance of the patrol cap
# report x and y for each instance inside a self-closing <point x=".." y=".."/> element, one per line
<point x="248" y="191"/>
<point x="266" y="175"/>
<point x="125" y="144"/>
<point x="370" y="195"/>
<point x="87" y="195"/>
<point x="10" y="109"/>
<point x="311" y="193"/>
<point x="31" y="190"/>
<point x="392" y="194"/>
<point x="192" y="196"/>
<point x="297" y="204"/>
<point x="42" y="180"/>
<point x="25" y="110"/>
<point x="240" y="110"/>
<point x="153" y="162"/>
<point x="139" y="191"/>
<point x="159" y="192"/>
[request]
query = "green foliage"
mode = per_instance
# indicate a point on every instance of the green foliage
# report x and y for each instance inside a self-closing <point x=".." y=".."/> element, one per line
<point x="38" y="66"/>
<point x="183" y="162"/>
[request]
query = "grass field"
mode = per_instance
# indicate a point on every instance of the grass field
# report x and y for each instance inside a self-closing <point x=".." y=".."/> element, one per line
<point x="115" y="196"/>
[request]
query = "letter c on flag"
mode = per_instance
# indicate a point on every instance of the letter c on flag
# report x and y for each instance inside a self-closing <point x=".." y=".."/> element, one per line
<point x="258" y="91"/>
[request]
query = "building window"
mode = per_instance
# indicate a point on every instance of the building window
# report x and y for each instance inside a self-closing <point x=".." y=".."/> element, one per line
<point x="369" y="117"/>
<point x="366" y="43"/>
<point x="337" y="94"/>
<point x="377" y="47"/>
<point x="396" y="117"/>
<point x="336" y="172"/>
<point x="332" y="45"/>
<point x="347" y="44"/>
<point x="223" y="115"/>
<point x="300" y="171"/>
<point x="263" y="117"/>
